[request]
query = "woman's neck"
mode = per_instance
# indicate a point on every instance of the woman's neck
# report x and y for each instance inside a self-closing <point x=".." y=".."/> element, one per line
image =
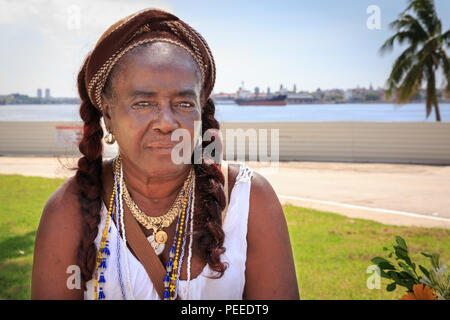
<point x="153" y="192"/>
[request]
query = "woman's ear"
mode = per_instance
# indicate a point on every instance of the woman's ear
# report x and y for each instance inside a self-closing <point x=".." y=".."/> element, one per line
<point x="106" y="111"/>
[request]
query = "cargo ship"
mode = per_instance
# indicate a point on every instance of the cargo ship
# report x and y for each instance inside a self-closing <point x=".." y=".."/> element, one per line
<point x="245" y="98"/>
<point x="278" y="100"/>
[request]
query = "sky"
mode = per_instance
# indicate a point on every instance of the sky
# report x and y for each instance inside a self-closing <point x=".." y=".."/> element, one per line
<point x="322" y="44"/>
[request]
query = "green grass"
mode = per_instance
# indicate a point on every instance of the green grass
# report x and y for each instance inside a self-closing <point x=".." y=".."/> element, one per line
<point x="21" y="202"/>
<point x="331" y="252"/>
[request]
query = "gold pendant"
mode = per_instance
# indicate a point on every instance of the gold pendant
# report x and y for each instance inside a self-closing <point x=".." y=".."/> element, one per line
<point x="161" y="237"/>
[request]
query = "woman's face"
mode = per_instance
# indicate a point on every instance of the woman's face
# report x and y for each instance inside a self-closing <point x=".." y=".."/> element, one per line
<point x="155" y="90"/>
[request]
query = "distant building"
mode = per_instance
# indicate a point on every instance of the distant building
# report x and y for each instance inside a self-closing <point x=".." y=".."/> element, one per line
<point x="299" y="97"/>
<point x="319" y="94"/>
<point x="283" y="90"/>
<point x="47" y="93"/>
<point x="348" y="95"/>
<point x="39" y="93"/>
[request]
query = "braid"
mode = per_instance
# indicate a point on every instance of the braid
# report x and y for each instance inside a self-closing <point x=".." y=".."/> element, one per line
<point x="209" y="202"/>
<point x="88" y="178"/>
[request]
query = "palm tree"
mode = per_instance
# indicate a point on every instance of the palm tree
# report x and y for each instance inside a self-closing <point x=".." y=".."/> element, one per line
<point x="418" y="26"/>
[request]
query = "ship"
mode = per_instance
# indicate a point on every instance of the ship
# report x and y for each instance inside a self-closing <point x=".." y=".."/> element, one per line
<point x="245" y="98"/>
<point x="276" y="100"/>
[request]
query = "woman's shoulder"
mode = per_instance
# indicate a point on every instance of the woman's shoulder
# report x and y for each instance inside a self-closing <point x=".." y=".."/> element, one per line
<point x="64" y="200"/>
<point x="262" y="194"/>
<point x="56" y="244"/>
<point x="268" y="245"/>
<point x="265" y="207"/>
<point x="61" y="211"/>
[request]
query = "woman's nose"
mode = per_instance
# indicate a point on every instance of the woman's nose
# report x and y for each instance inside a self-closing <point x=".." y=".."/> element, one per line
<point x="165" y="120"/>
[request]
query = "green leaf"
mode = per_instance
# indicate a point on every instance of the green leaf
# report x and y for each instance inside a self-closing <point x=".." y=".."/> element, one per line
<point x="382" y="263"/>
<point x="424" y="271"/>
<point x="408" y="276"/>
<point x="435" y="260"/>
<point x="391" y="286"/>
<point x="406" y="268"/>
<point x="386" y="266"/>
<point x="401" y="242"/>
<point x="394" y="276"/>
<point x="378" y="260"/>
<point x="426" y="255"/>
<point x="402" y="254"/>
<point x="384" y="275"/>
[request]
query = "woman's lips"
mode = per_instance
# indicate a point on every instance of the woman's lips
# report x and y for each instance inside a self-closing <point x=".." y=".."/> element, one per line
<point x="161" y="148"/>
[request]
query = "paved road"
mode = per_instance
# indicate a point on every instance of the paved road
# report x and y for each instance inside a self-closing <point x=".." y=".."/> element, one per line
<point x="398" y="194"/>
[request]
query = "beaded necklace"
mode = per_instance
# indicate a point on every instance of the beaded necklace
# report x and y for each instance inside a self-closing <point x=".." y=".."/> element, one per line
<point x="191" y="233"/>
<point x="169" y="288"/>
<point x="118" y="238"/>
<point x="183" y="243"/>
<point x="102" y="255"/>
<point x="176" y="254"/>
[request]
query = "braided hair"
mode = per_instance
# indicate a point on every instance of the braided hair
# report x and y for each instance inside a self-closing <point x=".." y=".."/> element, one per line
<point x="209" y="192"/>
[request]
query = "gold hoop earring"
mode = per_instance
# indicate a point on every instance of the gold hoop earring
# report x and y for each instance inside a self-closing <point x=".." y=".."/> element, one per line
<point x="109" y="138"/>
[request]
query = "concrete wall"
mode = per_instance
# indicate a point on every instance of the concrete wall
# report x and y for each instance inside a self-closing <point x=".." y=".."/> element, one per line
<point x="395" y="142"/>
<point x="401" y="142"/>
<point x="44" y="138"/>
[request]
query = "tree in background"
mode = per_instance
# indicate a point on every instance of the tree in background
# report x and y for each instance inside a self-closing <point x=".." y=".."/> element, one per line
<point x="418" y="26"/>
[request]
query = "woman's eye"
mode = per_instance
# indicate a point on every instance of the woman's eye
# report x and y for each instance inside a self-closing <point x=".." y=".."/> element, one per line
<point x="186" y="104"/>
<point x="141" y="105"/>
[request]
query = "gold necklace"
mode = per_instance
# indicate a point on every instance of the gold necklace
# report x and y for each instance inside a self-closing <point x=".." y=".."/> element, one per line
<point x="160" y="222"/>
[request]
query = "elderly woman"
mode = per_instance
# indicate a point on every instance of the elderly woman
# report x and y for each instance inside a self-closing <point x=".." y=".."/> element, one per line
<point x="142" y="226"/>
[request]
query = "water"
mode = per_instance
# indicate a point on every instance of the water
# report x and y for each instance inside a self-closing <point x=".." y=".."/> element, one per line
<point x="235" y="113"/>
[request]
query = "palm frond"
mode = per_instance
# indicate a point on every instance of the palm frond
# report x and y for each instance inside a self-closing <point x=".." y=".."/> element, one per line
<point x="413" y="78"/>
<point x="446" y="37"/>
<point x="426" y="13"/>
<point x="407" y="22"/>
<point x="412" y="64"/>
<point x="401" y="37"/>
<point x="400" y="66"/>
<point x="410" y="84"/>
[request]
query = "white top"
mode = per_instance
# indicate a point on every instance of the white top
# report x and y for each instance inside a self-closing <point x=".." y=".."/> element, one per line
<point x="229" y="287"/>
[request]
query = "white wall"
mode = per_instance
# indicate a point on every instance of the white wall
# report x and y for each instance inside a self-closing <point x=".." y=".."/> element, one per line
<point x="396" y="142"/>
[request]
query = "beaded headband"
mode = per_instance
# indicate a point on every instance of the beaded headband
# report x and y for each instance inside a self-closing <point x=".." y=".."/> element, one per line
<point x="148" y="25"/>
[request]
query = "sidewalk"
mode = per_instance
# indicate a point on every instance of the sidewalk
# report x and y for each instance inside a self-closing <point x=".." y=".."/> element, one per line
<point x="396" y="194"/>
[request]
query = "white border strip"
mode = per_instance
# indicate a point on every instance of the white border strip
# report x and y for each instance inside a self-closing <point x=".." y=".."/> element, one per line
<point x="403" y="213"/>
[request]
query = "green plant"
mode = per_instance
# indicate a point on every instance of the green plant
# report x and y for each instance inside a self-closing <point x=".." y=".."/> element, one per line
<point x="405" y="272"/>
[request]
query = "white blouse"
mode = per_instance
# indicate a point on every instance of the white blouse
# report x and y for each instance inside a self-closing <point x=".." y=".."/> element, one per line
<point x="122" y="285"/>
